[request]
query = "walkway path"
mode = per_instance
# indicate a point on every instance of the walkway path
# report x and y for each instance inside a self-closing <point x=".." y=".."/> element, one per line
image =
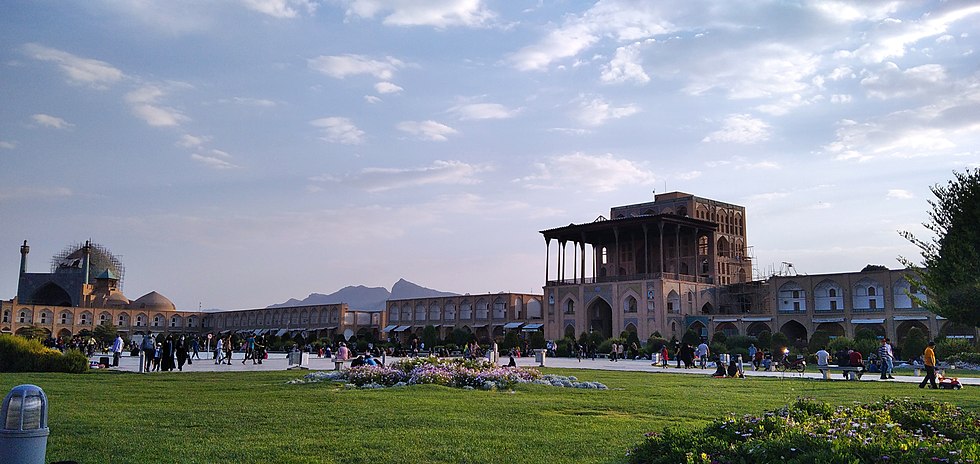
<point x="278" y="362"/>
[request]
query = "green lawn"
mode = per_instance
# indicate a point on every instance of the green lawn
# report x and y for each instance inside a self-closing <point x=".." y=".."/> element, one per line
<point x="239" y="417"/>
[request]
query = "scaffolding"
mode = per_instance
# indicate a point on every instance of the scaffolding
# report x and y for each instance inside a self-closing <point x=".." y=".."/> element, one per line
<point x="100" y="259"/>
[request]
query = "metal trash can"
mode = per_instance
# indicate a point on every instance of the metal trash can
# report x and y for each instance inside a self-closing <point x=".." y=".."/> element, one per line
<point x="539" y="356"/>
<point x="24" y="417"/>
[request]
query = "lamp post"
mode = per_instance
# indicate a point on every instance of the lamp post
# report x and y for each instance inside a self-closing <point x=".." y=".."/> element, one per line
<point x="24" y="417"/>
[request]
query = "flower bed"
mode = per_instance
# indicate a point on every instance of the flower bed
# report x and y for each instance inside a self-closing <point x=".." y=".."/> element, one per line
<point x="892" y="431"/>
<point x="457" y="373"/>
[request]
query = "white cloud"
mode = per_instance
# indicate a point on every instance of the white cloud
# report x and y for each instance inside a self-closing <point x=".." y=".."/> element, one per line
<point x="580" y="171"/>
<point x="839" y="98"/>
<point x="339" y="130"/>
<point x="899" y="194"/>
<point x="387" y="87"/>
<point x="756" y="71"/>
<point x="95" y="73"/>
<point x="769" y="196"/>
<point x="372" y="99"/>
<point x="482" y="111"/>
<point x="841" y="73"/>
<point x="192" y="141"/>
<point x="439" y="173"/>
<point x="596" y="112"/>
<point x="893" y="82"/>
<point x="341" y="66"/>
<point x="690" y="175"/>
<point x="144" y="102"/>
<point x="34" y="193"/>
<point x="280" y="8"/>
<point x="426" y="130"/>
<point x="7" y="145"/>
<point x="437" y="13"/>
<point x="740" y="128"/>
<point x="54" y="122"/>
<point x="891" y="38"/>
<point x="261" y="102"/>
<point x="623" y="21"/>
<point x="215" y="159"/>
<point x="627" y="65"/>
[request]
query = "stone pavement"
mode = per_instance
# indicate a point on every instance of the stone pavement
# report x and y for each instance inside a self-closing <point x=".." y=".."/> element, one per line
<point x="278" y="362"/>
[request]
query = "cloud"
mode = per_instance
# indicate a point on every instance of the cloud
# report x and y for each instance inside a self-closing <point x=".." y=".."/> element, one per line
<point x="144" y="103"/>
<point x="51" y="121"/>
<point x="215" y="159"/>
<point x="193" y="141"/>
<point x="387" y="87"/>
<point x="7" y="145"/>
<point x="753" y="71"/>
<point x="596" y="112"/>
<point x="383" y="179"/>
<point x="891" y="38"/>
<point x="282" y="9"/>
<point x="85" y="71"/>
<point x="899" y="194"/>
<point x="426" y="130"/>
<point x="770" y="196"/>
<point x="341" y="66"/>
<point x="34" y="193"/>
<point x="597" y="173"/>
<point x="893" y="82"/>
<point x="626" y="66"/>
<point x="260" y="102"/>
<point x="621" y="21"/>
<point x="438" y="13"/>
<point x="482" y="111"/>
<point x="740" y="128"/>
<point x="372" y="99"/>
<point x="339" y="130"/>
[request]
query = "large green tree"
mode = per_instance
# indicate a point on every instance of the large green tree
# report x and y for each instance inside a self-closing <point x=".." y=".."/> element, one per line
<point x="950" y="269"/>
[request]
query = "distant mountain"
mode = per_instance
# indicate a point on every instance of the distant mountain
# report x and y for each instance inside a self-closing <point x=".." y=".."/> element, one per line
<point x="403" y="290"/>
<point x="366" y="298"/>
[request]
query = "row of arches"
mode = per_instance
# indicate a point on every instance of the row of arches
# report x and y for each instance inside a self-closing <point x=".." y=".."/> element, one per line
<point x="87" y="318"/>
<point x="866" y="294"/>
<point x="484" y="309"/>
<point x="282" y="317"/>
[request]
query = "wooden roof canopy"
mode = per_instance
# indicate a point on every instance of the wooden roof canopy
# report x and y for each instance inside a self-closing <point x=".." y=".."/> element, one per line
<point x="604" y="230"/>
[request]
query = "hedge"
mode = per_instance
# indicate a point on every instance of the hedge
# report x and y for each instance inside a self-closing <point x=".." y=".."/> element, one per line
<point x="18" y="354"/>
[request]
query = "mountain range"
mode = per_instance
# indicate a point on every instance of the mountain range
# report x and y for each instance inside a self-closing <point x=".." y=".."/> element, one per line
<point x="366" y="298"/>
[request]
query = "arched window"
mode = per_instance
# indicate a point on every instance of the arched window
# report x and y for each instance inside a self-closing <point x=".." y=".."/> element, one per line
<point x="157" y="320"/>
<point x="140" y="321"/>
<point x="629" y="305"/>
<point x="44" y="317"/>
<point x="65" y="318"/>
<point x="569" y="307"/>
<point x="6" y="316"/>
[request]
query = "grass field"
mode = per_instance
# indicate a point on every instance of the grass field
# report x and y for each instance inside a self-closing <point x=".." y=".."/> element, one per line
<point x="251" y="417"/>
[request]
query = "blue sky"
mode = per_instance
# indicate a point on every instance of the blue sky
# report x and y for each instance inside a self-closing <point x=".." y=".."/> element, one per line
<point x="238" y="153"/>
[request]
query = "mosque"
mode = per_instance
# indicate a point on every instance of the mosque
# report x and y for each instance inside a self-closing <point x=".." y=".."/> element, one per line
<point x="677" y="263"/>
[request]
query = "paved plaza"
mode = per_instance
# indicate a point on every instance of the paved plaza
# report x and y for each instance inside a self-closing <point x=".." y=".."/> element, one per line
<point x="278" y="362"/>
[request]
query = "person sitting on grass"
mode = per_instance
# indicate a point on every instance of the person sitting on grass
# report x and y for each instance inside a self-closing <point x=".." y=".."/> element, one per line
<point x="358" y="361"/>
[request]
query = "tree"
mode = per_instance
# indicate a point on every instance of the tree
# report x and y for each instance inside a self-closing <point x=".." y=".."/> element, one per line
<point x="430" y="336"/>
<point x="950" y="272"/>
<point x="105" y="333"/>
<point x="873" y="268"/>
<point x="914" y="343"/>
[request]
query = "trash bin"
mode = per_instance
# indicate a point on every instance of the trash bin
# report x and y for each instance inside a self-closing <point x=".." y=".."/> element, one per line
<point x="539" y="356"/>
<point x="655" y="358"/>
<point x="24" y="421"/>
<point x="104" y="360"/>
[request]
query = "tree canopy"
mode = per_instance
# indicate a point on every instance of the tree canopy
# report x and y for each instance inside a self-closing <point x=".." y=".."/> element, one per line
<point x="950" y="270"/>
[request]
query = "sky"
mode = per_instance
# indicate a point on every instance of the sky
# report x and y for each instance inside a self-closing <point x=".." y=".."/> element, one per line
<point x="237" y="153"/>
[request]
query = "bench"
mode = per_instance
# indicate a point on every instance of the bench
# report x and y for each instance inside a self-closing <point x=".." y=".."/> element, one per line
<point x="851" y="371"/>
<point x="338" y="365"/>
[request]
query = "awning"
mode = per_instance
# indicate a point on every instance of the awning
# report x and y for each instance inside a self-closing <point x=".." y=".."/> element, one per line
<point x="281" y="332"/>
<point x="867" y="321"/>
<point x="513" y="325"/>
<point x="225" y="332"/>
<point x="725" y="319"/>
<point x="333" y="327"/>
<point x="532" y="327"/>
<point x="389" y="327"/>
<point x="911" y="318"/>
<point x="479" y="326"/>
<point x="825" y="321"/>
<point x="402" y="328"/>
<point x="959" y="336"/>
<point x="757" y="319"/>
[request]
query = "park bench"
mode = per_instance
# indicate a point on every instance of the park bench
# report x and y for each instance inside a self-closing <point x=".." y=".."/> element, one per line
<point x="851" y="371"/>
<point x="338" y="364"/>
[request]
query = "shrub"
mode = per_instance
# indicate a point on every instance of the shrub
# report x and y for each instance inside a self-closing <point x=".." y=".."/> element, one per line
<point x="949" y="347"/>
<point x="972" y="358"/>
<point x="894" y="431"/>
<point x="914" y="344"/>
<point x="606" y="345"/>
<point x="654" y="344"/>
<point x="19" y="354"/>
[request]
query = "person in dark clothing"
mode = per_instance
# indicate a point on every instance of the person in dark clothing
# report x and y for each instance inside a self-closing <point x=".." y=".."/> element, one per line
<point x="167" y="355"/>
<point x="181" y="349"/>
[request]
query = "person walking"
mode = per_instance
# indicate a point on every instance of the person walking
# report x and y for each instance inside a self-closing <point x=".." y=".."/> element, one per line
<point x="181" y="349"/>
<point x="217" y="351"/>
<point x="929" y="359"/>
<point x="149" y="348"/>
<point x="702" y="353"/>
<point x="196" y="345"/>
<point x="664" y="356"/>
<point x="229" y="348"/>
<point x="117" y="347"/>
<point x="887" y="357"/>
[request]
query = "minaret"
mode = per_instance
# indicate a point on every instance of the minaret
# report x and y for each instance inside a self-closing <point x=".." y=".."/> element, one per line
<point x="86" y="251"/>
<point x="24" y="250"/>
